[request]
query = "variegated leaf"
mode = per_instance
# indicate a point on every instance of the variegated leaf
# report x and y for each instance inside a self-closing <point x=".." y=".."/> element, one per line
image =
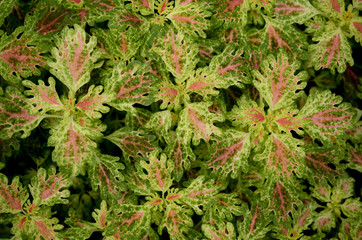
<point x="279" y="36"/>
<point x="334" y="8"/>
<point x="325" y="117"/>
<point x="190" y="19"/>
<point x="73" y="142"/>
<point x="101" y="216"/>
<point x="38" y="227"/>
<point x="203" y="83"/>
<point x="160" y="123"/>
<point x="283" y="155"/>
<point x="323" y="162"/>
<point x="79" y="229"/>
<point x="17" y="58"/>
<point x="282" y="201"/>
<point x="133" y="143"/>
<point x="231" y="68"/>
<point x="121" y="44"/>
<point x="297" y="11"/>
<point x="231" y="13"/>
<point x="15" y="114"/>
<point x="199" y="193"/>
<point x="92" y="103"/>
<point x="157" y="171"/>
<point x="325" y="221"/>
<point x="331" y="51"/>
<point x="129" y="85"/>
<point x="47" y="188"/>
<point x="105" y="173"/>
<point x="74" y="58"/>
<point x="48" y="17"/>
<point x="221" y="231"/>
<point x="255" y="223"/>
<point x="286" y="120"/>
<point x="178" y="53"/>
<point x="12" y="197"/>
<point x="145" y="7"/>
<point x="45" y="98"/>
<point x="131" y="222"/>
<point x="6" y="7"/>
<point x="179" y="151"/>
<point x="196" y="122"/>
<point x="178" y="223"/>
<point x="230" y="153"/>
<point x="224" y="208"/>
<point x="356" y="28"/>
<point x="170" y="95"/>
<point x="277" y="82"/>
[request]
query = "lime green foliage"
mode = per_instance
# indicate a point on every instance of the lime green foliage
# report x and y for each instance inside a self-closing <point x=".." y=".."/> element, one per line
<point x="183" y="119"/>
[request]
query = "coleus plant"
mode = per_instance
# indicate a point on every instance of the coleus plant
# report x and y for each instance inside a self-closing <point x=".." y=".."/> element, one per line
<point x="185" y="119"/>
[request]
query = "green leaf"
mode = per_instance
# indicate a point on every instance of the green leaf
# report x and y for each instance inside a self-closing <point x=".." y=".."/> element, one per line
<point x="178" y="53"/>
<point x="332" y="51"/>
<point x="74" y="58"/>
<point x="17" y="58"/>
<point x="283" y="155"/>
<point x="105" y="173"/>
<point x="73" y="142"/>
<point x="325" y="117"/>
<point x="129" y="85"/>
<point x="47" y="188"/>
<point x="296" y="11"/>
<point x="131" y="222"/>
<point x="277" y="82"/>
<point x="92" y="103"/>
<point x="230" y="153"/>
<point x="6" y="6"/>
<point x="196" y="122"/>
<point x="199" y="193"/>
<point x="231" y="13"/>
<point x="12" y="197"/>
<point x="157" y="171"/>
<point x="135" y="144"/>
<point x="190" y="19"/>
<point x="15" y="114"/>
<point x="356" y="28"/>
<point x="45" y="98"/>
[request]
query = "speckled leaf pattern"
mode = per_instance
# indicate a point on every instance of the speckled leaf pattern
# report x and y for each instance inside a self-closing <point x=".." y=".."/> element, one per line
<point x="178" y="53"/>
<point x="231" y="68"/>
<point x="73" y="144"/>
<point x="230" y="153"/>
<point x="283" y="156"/>
<point x="105" y="172"/>
<point x="297" y="11"/>
<point x="255" y="223"/>
<point x="180" y="153"/>
<point x="47" y="188"/>
<point x="219" y="232"/>
<point x="190" y="19"/>
<point x="325" y="117"/>
<point x="74" y="58"/>
<point x="232" y="12"/>
<point x="282" y="201"/>
<point x="356" y="28"/>
<point x="129" y="85"/>
<point x="157" y="170"/>
<point x="15" y="114"/>
<point x="331" y="51"/>
<point x="133" y="143"/>
<point x="17" y="58"/>
<point x="178" y="222"/>
<point x="277" y="81"/>
<point x="45" y="98"/>
<point x="6" y="6"/>
<point x="131" y="222"/>
<point x="92" y="103"/>
<point x="278" y="36"/>
<point x="199" y="193"/>
<point x="13" y="196"/>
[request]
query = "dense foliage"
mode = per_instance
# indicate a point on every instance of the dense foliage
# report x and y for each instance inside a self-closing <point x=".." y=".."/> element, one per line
<point x="184" y="119"/>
